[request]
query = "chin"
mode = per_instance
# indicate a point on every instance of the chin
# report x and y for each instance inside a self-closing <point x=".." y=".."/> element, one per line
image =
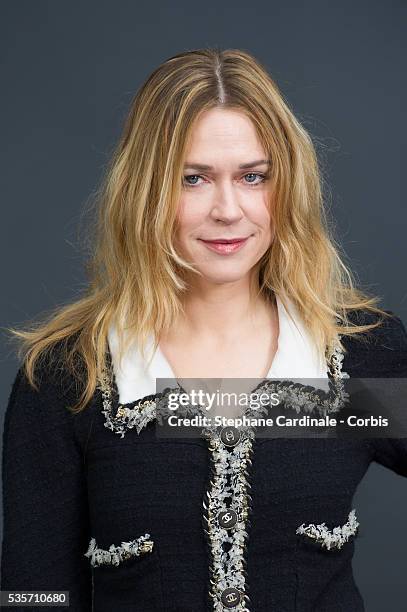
<point x="225" y="277"/>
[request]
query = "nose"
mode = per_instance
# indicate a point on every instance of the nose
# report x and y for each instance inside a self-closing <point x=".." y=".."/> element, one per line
<point x="226" y="206"/>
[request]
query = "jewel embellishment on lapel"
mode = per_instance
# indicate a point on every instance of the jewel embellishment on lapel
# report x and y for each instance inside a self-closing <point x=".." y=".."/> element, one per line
<point x="335" y="364"/>
<point x="135" y="415"/>
<point x="140" y="413"/>
<point x="331" y="539"/>
<point x="126" y="418"/>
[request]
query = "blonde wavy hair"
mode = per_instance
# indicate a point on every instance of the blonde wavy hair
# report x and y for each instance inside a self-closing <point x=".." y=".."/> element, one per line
<point x="137" y="278"/>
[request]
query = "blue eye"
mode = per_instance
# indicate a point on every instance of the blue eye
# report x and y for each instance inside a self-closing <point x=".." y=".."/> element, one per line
<point x="189" y="177"/>
<point x="263" y="178"/>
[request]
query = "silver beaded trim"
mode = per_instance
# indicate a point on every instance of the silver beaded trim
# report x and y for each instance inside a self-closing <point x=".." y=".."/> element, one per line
<point x="229" y="480"/>
<point x="138" y="414"/>
<point x="116" y="554"/>
<point x="126" y="418"/>
<point x="335" y="363"/>
<point x="334" y="539"/>
<point x="293" y="395"/>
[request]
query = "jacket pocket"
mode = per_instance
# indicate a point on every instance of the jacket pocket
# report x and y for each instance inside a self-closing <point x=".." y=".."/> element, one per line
<point x="116" y="555"/>
<point x="126" y="574"/>
<point x="324" y="554"/>
<point x="330" y="539"/>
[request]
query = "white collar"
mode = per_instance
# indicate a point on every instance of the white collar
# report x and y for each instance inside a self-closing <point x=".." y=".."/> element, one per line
<point x="296" y="358"/>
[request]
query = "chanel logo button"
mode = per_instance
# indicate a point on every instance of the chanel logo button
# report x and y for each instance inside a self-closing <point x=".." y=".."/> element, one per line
<point x="227" y="518"/>
<point x="230" y="436"/>
<point x="231" y="597"/>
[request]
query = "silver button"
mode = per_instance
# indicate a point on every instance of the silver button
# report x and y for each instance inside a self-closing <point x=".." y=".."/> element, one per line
<point x="230" y="436"/>
<point x="227" y="518"/>
<point x="231" y="597"/>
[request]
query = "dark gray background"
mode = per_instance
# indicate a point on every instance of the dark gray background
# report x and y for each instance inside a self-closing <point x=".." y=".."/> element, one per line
<point x="68" y="72"/>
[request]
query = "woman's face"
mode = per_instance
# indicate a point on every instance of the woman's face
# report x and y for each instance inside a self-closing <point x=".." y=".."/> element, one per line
<point x="224" y="197"/>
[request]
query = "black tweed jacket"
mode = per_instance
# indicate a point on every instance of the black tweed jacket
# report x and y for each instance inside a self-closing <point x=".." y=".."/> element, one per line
<point x="137" y="523"/>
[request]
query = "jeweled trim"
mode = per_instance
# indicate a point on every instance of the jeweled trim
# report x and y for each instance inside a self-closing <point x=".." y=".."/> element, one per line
<point x="294" y="395"/>
<point x="304" y="398"/>
<point x="136" y="414"/>
<point x="229" y="480"/>
<point x="334" y="538"/>
<point x="335" y="362"/>
<point x="126" y="418"/>
<point x="116" y="554"/>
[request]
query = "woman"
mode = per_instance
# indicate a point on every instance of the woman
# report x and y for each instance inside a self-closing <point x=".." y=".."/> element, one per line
<point x="213" y="259"/>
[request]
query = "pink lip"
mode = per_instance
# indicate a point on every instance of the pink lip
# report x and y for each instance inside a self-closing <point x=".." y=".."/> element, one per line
<point x="225" y="246"/>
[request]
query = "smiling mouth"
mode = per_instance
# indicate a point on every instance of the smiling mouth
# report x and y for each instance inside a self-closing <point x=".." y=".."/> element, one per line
<point x="225" y="246"/>
<point x="226" y="240"/>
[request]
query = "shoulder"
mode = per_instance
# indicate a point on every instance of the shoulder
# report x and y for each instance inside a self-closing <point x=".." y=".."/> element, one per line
<point x="55" y="388"/>
<point x="42" y="417"/>
<point x="390" y="331"/>
<point x="379" y="352"/>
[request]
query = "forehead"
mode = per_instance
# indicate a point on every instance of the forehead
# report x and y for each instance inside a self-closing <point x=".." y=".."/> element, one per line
<point x="223" y="132"/>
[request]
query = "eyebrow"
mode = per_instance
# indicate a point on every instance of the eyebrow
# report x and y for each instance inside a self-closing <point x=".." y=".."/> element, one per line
<point x="253" y="164"/>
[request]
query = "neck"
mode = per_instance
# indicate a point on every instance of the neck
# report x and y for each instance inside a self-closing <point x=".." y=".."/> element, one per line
<point x="224" y="311"/>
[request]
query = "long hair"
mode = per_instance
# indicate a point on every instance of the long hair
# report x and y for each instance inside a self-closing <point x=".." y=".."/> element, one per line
<point x="137" y="279"/>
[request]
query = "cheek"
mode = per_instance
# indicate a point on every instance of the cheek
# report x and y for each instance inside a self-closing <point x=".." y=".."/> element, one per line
<point x="264" y="222"/>
<point x="262" y="218"/>
<point x="190" y="215"/>
<point x="258" y="209"/>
